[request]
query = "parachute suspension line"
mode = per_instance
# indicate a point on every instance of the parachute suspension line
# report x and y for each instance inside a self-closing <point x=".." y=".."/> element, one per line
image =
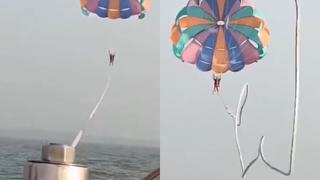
<point x="77" y="139"/>
<point x="241" y="104"/>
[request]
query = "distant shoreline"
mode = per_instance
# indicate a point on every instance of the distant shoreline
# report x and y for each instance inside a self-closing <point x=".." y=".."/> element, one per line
<point x="66" y="138"/>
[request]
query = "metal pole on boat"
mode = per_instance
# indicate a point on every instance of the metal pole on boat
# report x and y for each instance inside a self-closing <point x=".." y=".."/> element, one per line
<point x="57" y="163"/>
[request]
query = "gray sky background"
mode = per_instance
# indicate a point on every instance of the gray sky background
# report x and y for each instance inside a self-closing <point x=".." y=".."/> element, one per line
<point x="197" y="136"/>
<point x="53" y="70"/>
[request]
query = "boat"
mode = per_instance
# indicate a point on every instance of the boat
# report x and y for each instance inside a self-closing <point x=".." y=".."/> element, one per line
<point x="155" y="175"/>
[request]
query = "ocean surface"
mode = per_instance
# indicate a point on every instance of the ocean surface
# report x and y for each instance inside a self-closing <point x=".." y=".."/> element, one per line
<point x="109" y="161"/>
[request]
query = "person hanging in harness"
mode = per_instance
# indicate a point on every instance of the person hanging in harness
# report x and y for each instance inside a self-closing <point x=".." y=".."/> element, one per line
<point x="216" y="84"/>
<point x="112" y="55"/>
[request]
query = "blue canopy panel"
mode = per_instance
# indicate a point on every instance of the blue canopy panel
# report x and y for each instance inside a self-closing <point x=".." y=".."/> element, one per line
<point x="236" y="61"/>
<point x="214" y="5"/>
<point x="125" y="9"/>
<point x="103" y="8"/>
<point x="204" y="62"/>
<point x="228" y="6"/>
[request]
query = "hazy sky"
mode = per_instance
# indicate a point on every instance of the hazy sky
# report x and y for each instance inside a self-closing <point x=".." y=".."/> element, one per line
<point x="197" y="137"/>
<point x="53" y="68"/>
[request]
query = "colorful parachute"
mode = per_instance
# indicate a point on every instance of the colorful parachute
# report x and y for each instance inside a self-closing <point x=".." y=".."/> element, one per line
<point x="114" y="9"/>
<point x="219" y="35"/>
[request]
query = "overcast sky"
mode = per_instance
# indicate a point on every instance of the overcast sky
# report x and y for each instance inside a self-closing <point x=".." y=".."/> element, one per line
<point x="53" y="68"/>
<point x="197" y="137"/>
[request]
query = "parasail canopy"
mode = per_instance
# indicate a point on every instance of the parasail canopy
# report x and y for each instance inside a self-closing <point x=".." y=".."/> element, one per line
<point x="115" y="9"/>
<point x="220" y="35"/>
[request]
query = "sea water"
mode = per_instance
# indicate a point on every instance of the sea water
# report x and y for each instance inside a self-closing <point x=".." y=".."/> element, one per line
<point x="106" y="161"/>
